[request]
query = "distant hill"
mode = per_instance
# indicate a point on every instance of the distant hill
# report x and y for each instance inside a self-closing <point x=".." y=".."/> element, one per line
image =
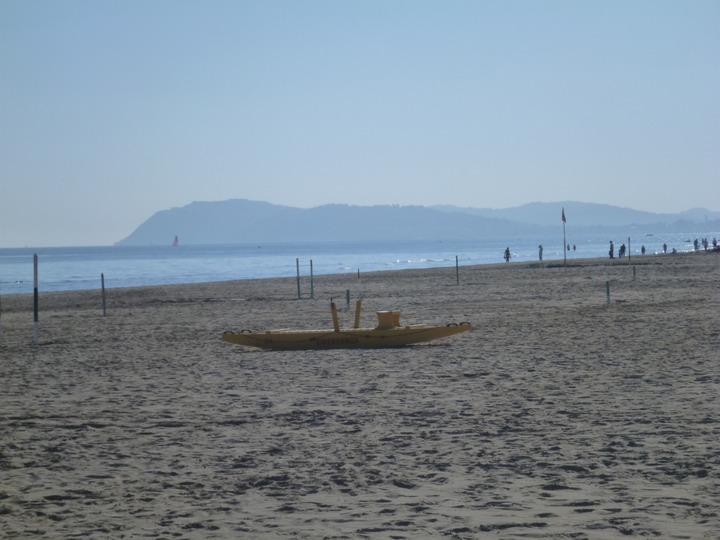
<point x="244" y="221"/>
<point x="584" y="214"/>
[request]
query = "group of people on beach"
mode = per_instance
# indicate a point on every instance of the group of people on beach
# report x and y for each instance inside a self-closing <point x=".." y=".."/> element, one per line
<point x="622" y="251"/>
<point x="696" y="244"/>
<point x="705" y="244"/>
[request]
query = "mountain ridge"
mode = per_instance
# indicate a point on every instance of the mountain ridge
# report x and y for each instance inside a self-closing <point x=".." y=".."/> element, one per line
<point x="245" y="221"/>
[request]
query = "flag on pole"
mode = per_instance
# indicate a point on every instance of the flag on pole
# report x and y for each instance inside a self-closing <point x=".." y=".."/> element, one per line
<point x="563" y="214"/>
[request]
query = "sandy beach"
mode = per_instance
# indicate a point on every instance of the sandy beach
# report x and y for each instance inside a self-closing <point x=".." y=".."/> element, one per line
<point x="562" y="415"/>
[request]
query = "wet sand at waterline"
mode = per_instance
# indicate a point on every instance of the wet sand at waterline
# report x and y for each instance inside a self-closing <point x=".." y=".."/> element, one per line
<point x="560" y="415"/>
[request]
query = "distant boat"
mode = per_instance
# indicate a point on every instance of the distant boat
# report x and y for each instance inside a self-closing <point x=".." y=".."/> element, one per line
<point x="175" y="241"/>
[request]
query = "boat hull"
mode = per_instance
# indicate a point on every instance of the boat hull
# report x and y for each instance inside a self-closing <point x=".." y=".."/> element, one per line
<point x="359" y="338"/>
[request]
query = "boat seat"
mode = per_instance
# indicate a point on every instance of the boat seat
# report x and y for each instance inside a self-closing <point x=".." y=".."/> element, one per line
<point x="387" y="320"/>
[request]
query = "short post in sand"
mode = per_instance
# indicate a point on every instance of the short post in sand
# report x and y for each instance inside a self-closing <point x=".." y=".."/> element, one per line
<point x="297" y="270"/>
<point x="607" y="291"/>
<point x="457" y="271"/>
<point x="102" y="288"/>
<point x="629" y="251"/>
<point x="36" y="302"/>
<point x="312" y="286"/>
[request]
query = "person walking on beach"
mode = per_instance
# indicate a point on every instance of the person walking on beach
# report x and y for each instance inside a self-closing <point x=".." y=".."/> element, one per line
<point x="664" y="248"/>
<point x="540" y="250"/>
<point x="612" y="250"/>
<point x="507" y="254"/>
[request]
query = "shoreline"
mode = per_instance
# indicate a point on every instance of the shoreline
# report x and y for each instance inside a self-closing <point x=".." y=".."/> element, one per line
<point x="638" y="260"/>
<point x="561" y="414"/>
<point x="69" y="270"/>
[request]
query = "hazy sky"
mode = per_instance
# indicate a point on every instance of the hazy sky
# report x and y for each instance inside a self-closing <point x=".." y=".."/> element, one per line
<point x="113" y="110"/>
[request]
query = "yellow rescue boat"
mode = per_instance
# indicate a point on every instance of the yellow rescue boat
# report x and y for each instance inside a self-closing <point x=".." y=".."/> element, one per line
<point x="388" y="333"/>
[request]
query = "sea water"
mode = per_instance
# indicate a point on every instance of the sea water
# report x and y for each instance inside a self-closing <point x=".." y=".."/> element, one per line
<point x="74" y="268"/>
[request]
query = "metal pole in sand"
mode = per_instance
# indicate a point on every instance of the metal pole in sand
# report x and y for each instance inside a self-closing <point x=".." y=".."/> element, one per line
<point x="35" y="299"/>
<point x="457" y="271"/>
<point x="312" y="286"/>
<point x="629" y="251"/>
<point x="607" y="291"/>
<point x="297" y="269"/>
<point x="102" y="286"/>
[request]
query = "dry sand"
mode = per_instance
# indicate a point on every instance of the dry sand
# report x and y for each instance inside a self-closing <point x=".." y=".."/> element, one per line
<point x="560" y="416"/>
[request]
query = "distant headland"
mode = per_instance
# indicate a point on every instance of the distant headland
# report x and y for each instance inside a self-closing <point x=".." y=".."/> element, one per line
<point x="243" y="221"/>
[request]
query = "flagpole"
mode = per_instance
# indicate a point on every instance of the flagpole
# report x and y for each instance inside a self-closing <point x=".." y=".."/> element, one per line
<point x="564" y="240"/>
